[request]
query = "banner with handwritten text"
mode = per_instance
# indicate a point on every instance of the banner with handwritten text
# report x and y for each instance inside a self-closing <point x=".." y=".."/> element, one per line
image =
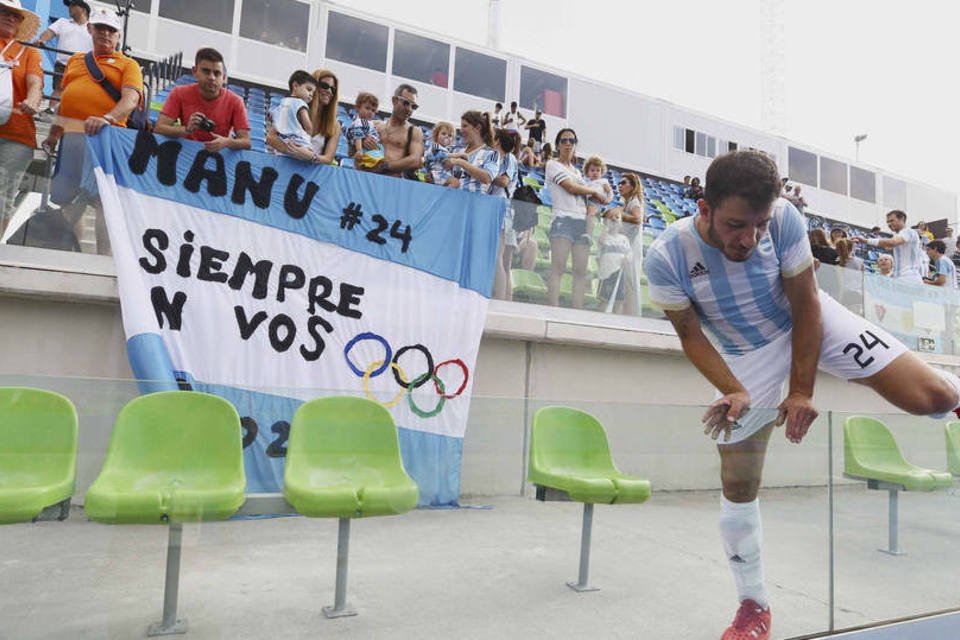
<point x="270" y="282"/>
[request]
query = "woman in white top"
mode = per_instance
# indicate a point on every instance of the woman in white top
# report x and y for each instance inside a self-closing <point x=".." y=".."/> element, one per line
<point x="568" y="231"/>
<point x="326" y="127"/>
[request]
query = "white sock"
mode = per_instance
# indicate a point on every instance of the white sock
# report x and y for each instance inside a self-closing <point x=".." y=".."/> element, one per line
<point x="742" y="533"/>
<point x="954" y="382"/>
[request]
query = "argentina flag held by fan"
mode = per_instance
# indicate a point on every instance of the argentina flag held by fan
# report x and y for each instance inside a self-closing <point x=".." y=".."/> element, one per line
<point x="271" y="282"/>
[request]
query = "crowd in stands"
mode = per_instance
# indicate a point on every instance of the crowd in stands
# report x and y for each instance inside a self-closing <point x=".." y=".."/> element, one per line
<point x="585" y="244"/>
<point x="922" y="258"/>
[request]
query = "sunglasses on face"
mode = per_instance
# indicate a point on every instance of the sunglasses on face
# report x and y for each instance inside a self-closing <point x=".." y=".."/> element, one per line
<point x="325" y="86"/>
<point x="413" y="106"/>
<point x="623" y="182"/>
<point x="568" y="141"/>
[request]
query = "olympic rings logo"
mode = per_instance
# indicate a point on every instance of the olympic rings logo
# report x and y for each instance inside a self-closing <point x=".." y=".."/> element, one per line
<point x="390" y="361"/>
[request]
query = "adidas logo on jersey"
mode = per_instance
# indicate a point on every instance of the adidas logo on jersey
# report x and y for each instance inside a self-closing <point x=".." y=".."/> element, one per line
<point x="699" y="270"/>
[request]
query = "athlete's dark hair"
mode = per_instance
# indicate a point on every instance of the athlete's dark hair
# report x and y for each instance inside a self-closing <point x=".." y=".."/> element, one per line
<point x="900" y="215"/>
<point x="937" y="245"/>
<point x="752" y="175"/>
<point x="301" y="77"/>
<point x="209" y="54"/>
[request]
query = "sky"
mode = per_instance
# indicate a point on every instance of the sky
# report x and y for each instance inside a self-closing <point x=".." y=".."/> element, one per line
<point x="849" y="66"/>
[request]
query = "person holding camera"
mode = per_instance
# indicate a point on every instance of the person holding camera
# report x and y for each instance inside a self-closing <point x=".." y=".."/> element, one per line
<point x="205" y="110"/>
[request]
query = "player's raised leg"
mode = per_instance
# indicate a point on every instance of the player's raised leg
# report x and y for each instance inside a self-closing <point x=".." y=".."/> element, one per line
<point x="914" y="386"/>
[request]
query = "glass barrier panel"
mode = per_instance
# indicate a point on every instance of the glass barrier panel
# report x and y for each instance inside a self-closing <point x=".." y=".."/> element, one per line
<point x="895" y="549"/>
<point x="502" y="549"/>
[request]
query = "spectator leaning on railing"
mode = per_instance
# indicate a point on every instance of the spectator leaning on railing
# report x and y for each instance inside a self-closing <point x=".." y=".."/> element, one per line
<point x="205" y="110"/>
<point x="324" y="124"/>
<point x="21" y="83"/>
<point x="945" y="272"/>
<point x="909" y="261"/>
<point x="86" y="107"/>
<point x="72" y="35"/>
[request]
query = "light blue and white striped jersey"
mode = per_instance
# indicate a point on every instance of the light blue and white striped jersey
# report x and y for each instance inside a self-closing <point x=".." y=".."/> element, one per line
<point x="486" y="159"/>
<point x="284" y="119"/>
<point x="909" y="259"/>
<point x="741" y="304"/>
<point x="945" y="267"/>
<point x="508" y="166"/>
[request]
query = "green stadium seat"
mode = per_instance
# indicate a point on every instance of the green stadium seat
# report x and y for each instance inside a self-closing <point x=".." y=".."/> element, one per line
<point x="38" y="454"/>
<point x="343" y="461"/>
<point x="870" y="453"/>
<point x="173" y="457"/>
<point x="528" y="286"/>
<point x="570" y="460"/>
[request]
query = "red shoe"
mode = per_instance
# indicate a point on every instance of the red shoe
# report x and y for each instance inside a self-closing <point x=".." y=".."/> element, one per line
<point x="752" y="622"/>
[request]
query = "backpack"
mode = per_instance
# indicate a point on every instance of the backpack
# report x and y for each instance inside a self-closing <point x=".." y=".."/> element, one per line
<point x="136" y="120"/>
<point x="525" y="203"/>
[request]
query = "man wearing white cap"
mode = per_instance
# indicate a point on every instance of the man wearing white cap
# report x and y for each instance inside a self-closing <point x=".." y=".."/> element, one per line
<point x="21" y="85"/>
<point x="86" y="106"/>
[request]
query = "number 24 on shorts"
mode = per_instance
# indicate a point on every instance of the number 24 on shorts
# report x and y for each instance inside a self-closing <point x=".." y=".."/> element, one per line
<point x="858" y="351"/>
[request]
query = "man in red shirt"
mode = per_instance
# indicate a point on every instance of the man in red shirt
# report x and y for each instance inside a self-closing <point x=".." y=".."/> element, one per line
<point x="205" y="110"/>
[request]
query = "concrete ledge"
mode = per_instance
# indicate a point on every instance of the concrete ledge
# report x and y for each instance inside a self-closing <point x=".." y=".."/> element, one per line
<point x="27" y="272"/>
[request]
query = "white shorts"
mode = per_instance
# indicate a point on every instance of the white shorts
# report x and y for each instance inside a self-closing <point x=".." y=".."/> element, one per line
<point x="852" y="348"/>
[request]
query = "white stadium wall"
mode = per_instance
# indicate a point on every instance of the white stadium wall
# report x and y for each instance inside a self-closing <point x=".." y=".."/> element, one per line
<point x="642" y="140"/>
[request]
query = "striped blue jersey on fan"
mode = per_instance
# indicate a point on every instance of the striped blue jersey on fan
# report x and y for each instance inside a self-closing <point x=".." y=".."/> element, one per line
<point x="741" y="304"/>
<point x="909" y="258"/>
<point x="945" y="267"/>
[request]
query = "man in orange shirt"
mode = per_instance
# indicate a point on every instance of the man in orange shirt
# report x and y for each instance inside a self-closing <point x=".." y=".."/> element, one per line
<point x="85" y="108"/>
<point x="18" y="134"/>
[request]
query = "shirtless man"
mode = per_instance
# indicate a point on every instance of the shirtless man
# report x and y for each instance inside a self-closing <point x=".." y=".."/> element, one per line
<point x="402" y="141"/>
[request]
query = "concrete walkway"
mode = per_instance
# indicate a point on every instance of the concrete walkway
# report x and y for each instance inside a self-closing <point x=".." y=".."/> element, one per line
<point x="471" y="573"/>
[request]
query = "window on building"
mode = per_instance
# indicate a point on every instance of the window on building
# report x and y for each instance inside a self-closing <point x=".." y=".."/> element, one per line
<point x="731" y="146"/>
<point x="421" y="59"/>
<point x="480" y="75"/>
<point x="212" y="14"/>
<point x="894" y="193"/>
<point x="863" y="184"/>
<point x="711" y="147"/>
<point x="833" y="175"/>
<point x="542" y="90"/>
<point x="143" y="6"/>
<point x="280" y="22"/>
<point x="357" y="41"/>
<point x="701" y="148"/>
<point x="802" y="166"/>
<point x="689" y="142"/>
<point x="678" y="137"/>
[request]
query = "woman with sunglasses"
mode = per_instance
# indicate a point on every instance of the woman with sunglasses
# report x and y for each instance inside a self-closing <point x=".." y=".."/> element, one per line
<point x="326" y="127"/>
<point x="568" y="231"/>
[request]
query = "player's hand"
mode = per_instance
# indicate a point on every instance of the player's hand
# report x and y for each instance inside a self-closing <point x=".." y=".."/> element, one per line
<point x="219" y="143"/>
<point x="723" y="414"/>
<point x="798" y="412"/>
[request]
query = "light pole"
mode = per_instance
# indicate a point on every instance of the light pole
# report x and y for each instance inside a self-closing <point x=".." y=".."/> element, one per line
<point x="857" y="139"/>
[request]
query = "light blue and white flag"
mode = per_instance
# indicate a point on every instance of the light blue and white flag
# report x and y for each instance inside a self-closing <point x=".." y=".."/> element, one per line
<point x="270" y="282"/>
